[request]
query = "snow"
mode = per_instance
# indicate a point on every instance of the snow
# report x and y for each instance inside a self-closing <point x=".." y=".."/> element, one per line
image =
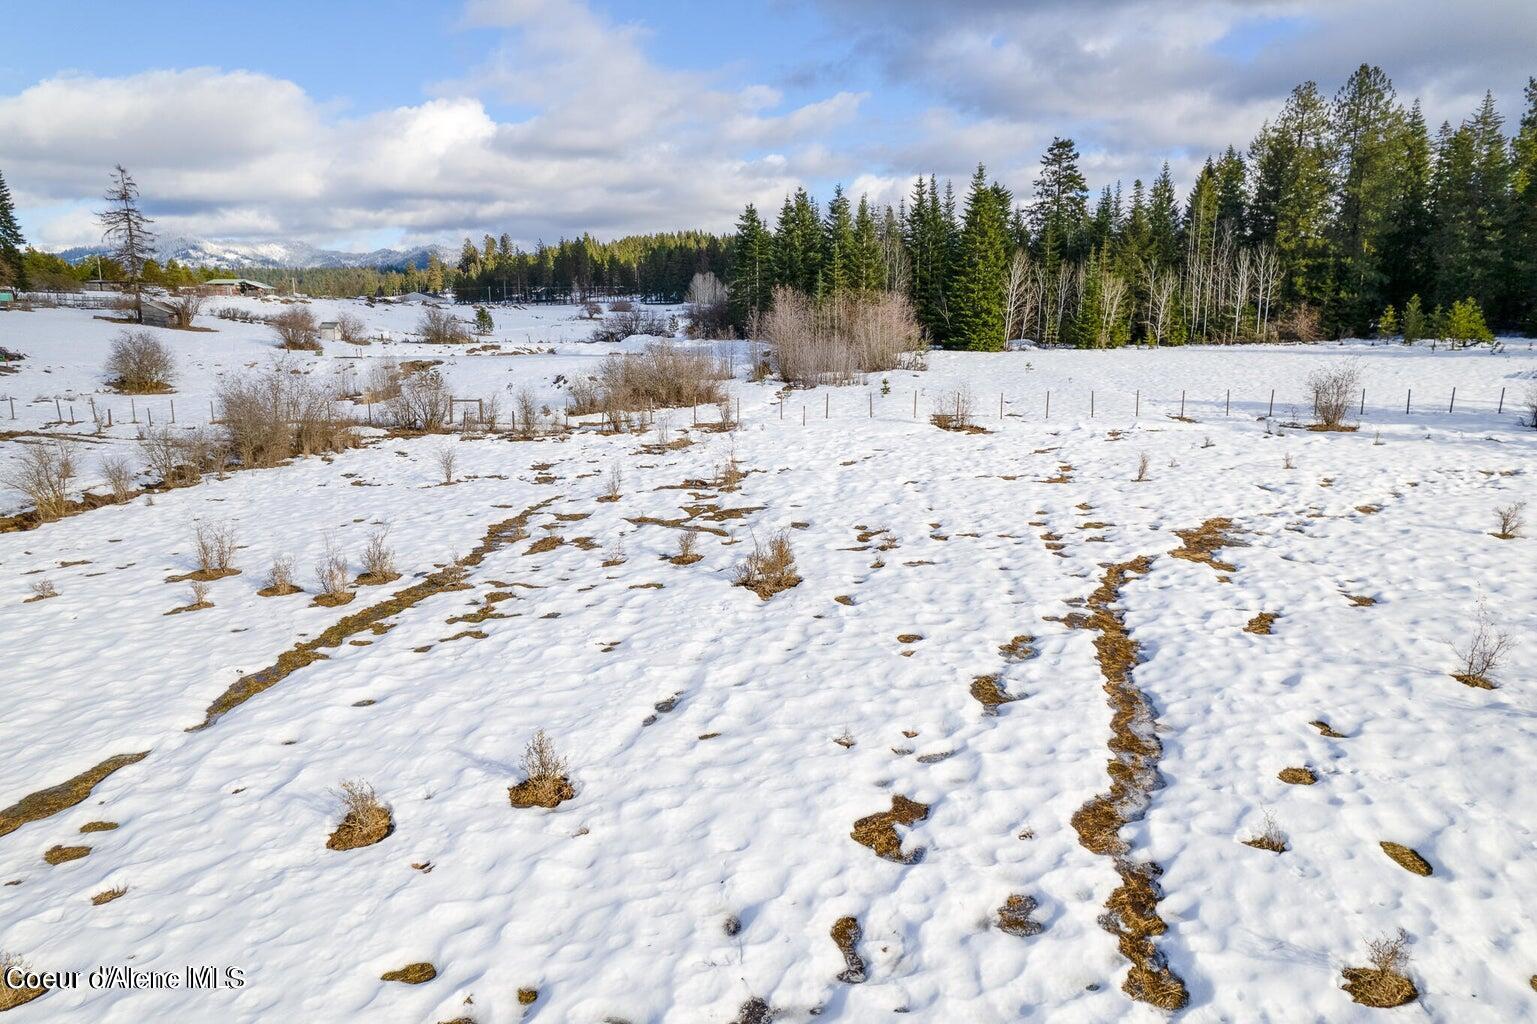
<point x="613" y="904"/>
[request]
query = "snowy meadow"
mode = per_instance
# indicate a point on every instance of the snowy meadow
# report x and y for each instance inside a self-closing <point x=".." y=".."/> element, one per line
<point x="1052" y="684"/>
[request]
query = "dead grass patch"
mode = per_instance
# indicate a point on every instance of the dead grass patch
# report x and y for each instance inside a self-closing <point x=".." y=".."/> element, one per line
<point x="1014" y="916"/>
<point x="48" y="802"/>
<point x="108" y="895"/>
<point x="544" y="544"/>
<point x="770" y="567"/>
<point x="1298" y="776"/>
<point x="98" y="826"/>
<point x="411" y="974"/>
<point x="1270" y="836"/>
<point x="1325" y="729"/>
<point x="878" y="831"/>
<point x="366" y="820"/>
<point x="65" y="854"/>
<point x="1261" y="623"/>
<point x="1202" y="542"/>
<point x="845" y="935"/>
<point x="10" y="997"/>
<point x="1406" y="858"/>
<point x="1382" y="985"/>
<point x="1361" y="600"/>
<point x="989" y="694"/>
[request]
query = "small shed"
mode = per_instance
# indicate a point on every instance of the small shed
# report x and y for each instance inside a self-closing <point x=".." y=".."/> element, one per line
<point x="237" y="286"/>
<point x="155" y="313"/>
<point x="6" y="297"/>
<point x="330" y="330"/>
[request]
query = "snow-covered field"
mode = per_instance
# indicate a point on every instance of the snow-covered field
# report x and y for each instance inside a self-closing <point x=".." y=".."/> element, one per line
<point x="707" y="852"/>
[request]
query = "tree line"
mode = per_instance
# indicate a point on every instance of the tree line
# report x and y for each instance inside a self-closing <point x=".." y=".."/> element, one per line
<point x="1342" y="217"/>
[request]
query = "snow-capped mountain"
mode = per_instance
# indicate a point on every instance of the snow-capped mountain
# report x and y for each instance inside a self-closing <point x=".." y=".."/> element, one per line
<point x="210" y="253"/>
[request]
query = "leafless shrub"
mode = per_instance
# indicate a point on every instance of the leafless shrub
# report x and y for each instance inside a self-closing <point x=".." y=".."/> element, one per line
<point x="441" y="327"/>
<point x="185" y="308"/>
<point x="383" y="381"/>
<point x="277" y="414"/>
<point x="43" y="589"/>
<point x="1333" y="390"/>
<point x="663" y="427"/>
<point x="1142" y="467"/>
<point x="446" y="456"/>
<point x="613" y="484"/>
<point x="1270" y="836"/>
<point x="44" y="473"/>
<point x="280" y="575"/>
<point x="541" y="763"/>
<point x="1512" y="520"/>
<point x="585" y="397"/>
<point x="659" y="377"/>
<point x="331" y="574"/>
<point x="614" y="554"/>
<point x="630" y="322"/>
<point x="1287" y="463"/>
<point x="140" y="364"/>
<point x="365" y="818"/>
<point x="708" y="313"/>
<point x="350" y="328"/>
<point x="215" y="547"/>
<point x="378" y="557"/>
<point x="1300" y="323"/>
<point x="1389" y="954"/>
<point x="1530" y="402"/>
<point x="688" y="547"/>
<point x="769" y="568"/>
<point x="954" y="411"/>
<point x="1482" y="654"/>
<point x="525" y="413"/>
<point x="488" y="412"/>
<point x="724" y="413"/>
<point x="297" y="329"/>
<point x="119" y="474"/>
<point x="730" y="473"/>
<point x="839" y="339"/>
<point x="200" y="594"/>
<point x="592" y="310"/>
<point x="621" y="306"/>
<point x="423" y="403"/>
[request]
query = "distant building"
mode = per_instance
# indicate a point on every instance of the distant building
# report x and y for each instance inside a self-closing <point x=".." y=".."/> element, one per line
<point x="330" y="330"/>
<point x="156" y="313"/>
<point x="6" y="297"/>
<point x="101" y="286"/>
<point x="237" y="286"/>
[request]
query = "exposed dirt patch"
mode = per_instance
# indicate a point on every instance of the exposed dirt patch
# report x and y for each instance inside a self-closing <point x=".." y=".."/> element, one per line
<point x="1475" y="681"/>
<point x="1406" y="858"/>
<point x="846" y="934"/>
<point x="98" y="826"/>
<point x="1325" y="729"/>
<point x="411" y="974"/>
<point x="878" y="831"/>
<point x="1014" y="916"/>
<point x="1021" y="648"/>
<point x="282" y="591"/>
<point x="48" y="802"/>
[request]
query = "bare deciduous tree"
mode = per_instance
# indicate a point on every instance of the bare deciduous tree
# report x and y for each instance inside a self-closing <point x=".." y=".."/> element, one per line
<point x="126" y="230"/>
<point x="1333" y="390"/>
<point x="140" y="364"/>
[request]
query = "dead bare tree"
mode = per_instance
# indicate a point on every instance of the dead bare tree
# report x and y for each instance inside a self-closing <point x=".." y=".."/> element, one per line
<point x="125" y="228"/>
<point x="1015" y="294"/>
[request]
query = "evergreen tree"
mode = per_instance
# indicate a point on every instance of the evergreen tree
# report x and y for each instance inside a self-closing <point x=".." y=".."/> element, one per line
<point x="1293" y="163"/>
<point x="837" y="245"/>
<point x="1465" y="324"/>
<point x="869" y="262"/>
<point x="798" y="245"/>
<point x="1232" y="205"/>
<point x="483" y="323"/>
<point x="12" y="266"/>
<point x="1470" y="204"/>
<point x="469" y="258"/>
<point x="1366" y="126"/>
<point x="1406" y="256"/>
<point x="1387" y="323"/>
<point x="928" y="257"/>
<point x="1061" y="196"/>
<point x="976" y="284"/>
<point x="1522" y="249"/>
<point x="1163" y="219"/>
<point x="752" y="269"/>
<point x="1414" y="320"/>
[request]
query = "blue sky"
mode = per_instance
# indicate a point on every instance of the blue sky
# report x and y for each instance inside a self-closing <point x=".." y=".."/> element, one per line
<point x="355" y="124"/>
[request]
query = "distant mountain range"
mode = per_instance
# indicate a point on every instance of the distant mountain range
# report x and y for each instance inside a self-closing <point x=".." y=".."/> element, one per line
<point x="268" y="255"/>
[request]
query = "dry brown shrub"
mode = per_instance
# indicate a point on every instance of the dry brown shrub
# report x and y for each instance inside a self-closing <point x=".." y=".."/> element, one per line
<point x="280" y="578"/>
<point x="955" y="411"/>
<point x="1512" y="520"/>
<point x="1142" y="465"/>
<point x="1483" y="652"/>
<point x="65" y="854"/>
<point x="660" y="376"/>
<point x="424" y="402"/>
<point x="525" y="415"/>
<point x="120" y="475"/>
<point x="140" y="364"/>
<point x="42" y="590"/>
<point x="770" y="567"/>
<point x="297" y="329"/>
<point x="365" y="819"/>
<point x="14" y="996"/>
<point x="1270" y="836"/>
<point x="688" y="548"/>
<point x="613" y="484"/>
<point x="1300" y="323"/>
<point x="278" y="414"/>
<point x="839" y="339"/>
<point x="44" y="473"/>
<point x="545" y="783"/>
<point x="331" y="575"/>
<point x="446" y="456"/>
<point x="378" y="558"/>
<point x="214" y="544"/>
<point x="1334" y="389"/>
<point x="1384" y="984"/>
<point x="1297" y="776"/>
<point x="383" y="383"/>
<point x="350" y="328"/>
<point x="441" y="327"/>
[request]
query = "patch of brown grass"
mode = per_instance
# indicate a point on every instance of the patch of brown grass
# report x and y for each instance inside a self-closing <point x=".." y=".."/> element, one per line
<point x="544" y="544"/>
<point x="1261" y="623"/>
<point x="989" y="694"/>
<point x="65" y="854"/>
<point x="108" y="895"/>
<point x="366" y="820"/>
<point x="1406" y="858"/>
<point x="878" y="831"/>
<point x="98" y="826"/>
<point x="411" y="974"/>
<point x="845" y="935"/>
<point x="1203" y="541"/>
<point x="1298" y="776"/>
<point x="1020" y="648"/>
<point x="1325" y="729"/>
<point x="1014" y="916"/>
<point x="48" y="802"/>
<point x="10" y="998"/>
<point x="1382" y="985"/>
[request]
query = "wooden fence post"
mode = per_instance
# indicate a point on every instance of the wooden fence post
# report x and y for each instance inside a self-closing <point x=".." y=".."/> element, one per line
<point x="1137" y="413"/>
<point x="1048" y="405"/>
<point x="1271" y="413"/>
<point x="1502" y="402"/>
<point x="1181" y="405"/>
<point x="1407" y="397"/>
<point x="1453" y="403"/>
